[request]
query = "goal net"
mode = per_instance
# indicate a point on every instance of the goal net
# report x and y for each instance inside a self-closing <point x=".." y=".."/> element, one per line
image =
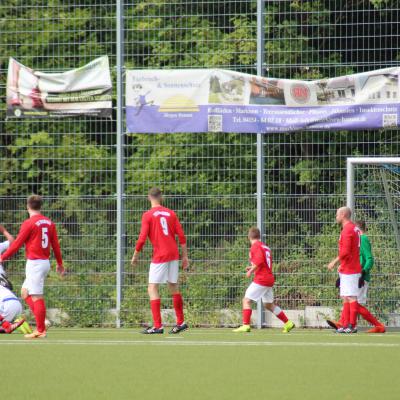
<point x="373" y="193"/>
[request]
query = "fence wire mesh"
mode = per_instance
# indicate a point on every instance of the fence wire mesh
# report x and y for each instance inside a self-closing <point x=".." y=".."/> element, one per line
<point x="209" y="179"/>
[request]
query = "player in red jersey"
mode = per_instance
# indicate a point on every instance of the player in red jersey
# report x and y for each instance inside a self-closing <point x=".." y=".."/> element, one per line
<point x="38" y="233"/>
<point x="161" y="226"/>
<point x="261" y="287"/>
<point x="349" y="269"/>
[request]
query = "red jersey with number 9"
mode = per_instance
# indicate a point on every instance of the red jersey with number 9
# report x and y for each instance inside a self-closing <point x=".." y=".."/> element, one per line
<point x="260" y="255"/>
<point x="161" y="226"/>
<point x="38" y="233"/>
<point x="349" y="250"/>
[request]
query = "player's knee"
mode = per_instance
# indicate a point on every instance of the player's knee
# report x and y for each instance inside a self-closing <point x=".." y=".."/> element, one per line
<point x="24" y="294"/>
<point x="152" y="289"/>
<point x="269" y="306"/>
<point x="173" y="288"/>
<point x="246" y="302"/>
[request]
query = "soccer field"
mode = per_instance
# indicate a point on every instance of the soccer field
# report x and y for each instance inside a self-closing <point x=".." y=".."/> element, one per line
<point x="201" y="364"/>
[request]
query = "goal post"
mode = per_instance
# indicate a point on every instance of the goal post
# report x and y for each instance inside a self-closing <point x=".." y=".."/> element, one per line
<point x="352" y="162"/>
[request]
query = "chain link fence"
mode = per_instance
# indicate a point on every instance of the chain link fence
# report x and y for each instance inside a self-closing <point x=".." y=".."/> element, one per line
<point x="209" y="179"/>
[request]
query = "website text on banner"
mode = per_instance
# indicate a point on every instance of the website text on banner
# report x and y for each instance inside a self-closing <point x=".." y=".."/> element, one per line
<point x="81" y="91"/>
<point x="214" y="100"/>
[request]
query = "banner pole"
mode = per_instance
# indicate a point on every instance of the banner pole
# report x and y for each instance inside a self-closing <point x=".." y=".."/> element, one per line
<point x="120" y="160"/>
<point x="260" y="145"/>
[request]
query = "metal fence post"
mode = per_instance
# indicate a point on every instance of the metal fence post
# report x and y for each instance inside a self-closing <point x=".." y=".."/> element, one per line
<point x="260" y="145"/>
<point x="120" y="158"/>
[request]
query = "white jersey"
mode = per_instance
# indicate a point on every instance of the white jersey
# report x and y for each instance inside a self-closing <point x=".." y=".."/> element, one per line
<point x="6" y="294"/>
<point x="3" y="247"/>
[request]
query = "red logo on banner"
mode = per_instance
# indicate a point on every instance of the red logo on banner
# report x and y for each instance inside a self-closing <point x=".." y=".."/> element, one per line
<point x="300" y="92"/>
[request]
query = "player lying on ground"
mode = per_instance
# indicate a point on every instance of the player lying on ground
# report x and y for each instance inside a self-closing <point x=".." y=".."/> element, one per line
<point x="349" y="269"/>
<point x="262" y="285"/>
<point x="4" y="281"/>
<point x="10" y="307"/>
<point x="38" y="233"/>
<point x="10" y="313"/>
<point x="161" y="226"/>
<point x="367" y="262"/>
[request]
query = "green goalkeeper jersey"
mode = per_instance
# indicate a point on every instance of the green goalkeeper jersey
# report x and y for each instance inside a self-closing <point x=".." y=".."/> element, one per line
<point x="366" y="257"/>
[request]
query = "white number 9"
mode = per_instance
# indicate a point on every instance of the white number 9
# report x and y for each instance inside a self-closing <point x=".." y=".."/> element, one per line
<point x="164" y="225"/>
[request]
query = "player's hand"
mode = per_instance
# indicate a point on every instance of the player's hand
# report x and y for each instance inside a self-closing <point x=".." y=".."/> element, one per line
<point x="134" y="260"/>
<point x="249" y="271"/>
<point x="185" y="263"/>
<point x="331" y="265"/>
<point x="60" y="270"/>
<point x="2" y="229"/>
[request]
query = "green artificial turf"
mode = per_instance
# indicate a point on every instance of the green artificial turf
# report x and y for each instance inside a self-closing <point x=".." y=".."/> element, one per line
<point x="201" y="364"/>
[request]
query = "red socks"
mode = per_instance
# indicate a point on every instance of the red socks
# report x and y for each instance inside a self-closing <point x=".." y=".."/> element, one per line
<point x="353" y="313"/>
<point x="155" y="306"/>
<point x="368" y="316"/>
<point x="38" y="309"/>
<point x="40" y="314"/>
<point x="178" y="306"/>
<point x="280" y="314"/>
<point x="345" y="318"/>
<point x="246" y="313"/>
<point x="29" y="301"/>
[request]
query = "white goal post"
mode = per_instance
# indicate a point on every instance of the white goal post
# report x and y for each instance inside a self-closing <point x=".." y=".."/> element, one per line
<point x="351" y="164"/>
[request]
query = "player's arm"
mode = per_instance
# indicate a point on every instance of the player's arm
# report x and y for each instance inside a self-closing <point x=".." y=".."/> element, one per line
<point x="333" y="263"/>
<point x="144" y="232"/>
<point x="23" y="235"/>
<point x="256" y="259"/>
<point x="6" y="234"/>
<point x="182" y="241"/>
<point x="55" y="245"/>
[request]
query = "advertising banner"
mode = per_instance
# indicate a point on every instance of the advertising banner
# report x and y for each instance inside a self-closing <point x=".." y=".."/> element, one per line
<point x="82" y="91"/>
<point x="214" y="100"/>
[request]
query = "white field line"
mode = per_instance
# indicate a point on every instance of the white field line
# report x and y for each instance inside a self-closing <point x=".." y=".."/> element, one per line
<point x="188" y="343"/>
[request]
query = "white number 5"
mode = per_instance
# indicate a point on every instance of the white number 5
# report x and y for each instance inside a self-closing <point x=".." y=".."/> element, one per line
<point x="45" y="238"/>
<point x="164" y="225"/>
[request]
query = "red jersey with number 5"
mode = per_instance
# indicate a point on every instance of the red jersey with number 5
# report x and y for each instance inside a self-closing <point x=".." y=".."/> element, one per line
<point x="38" y="233"/>
<point x="161" y="226"/>
<point x="349" y="250"/>
<point x="260" y="255"/>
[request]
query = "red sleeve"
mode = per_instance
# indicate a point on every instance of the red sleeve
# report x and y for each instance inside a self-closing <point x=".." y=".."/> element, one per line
<point x="23" y="235"/>
<point x="56" y="245"/>
<point x="345" y="246"/>
<point x="257" y="257"/>
<point x="179" y="231"/>
<point x="144" y="233"/>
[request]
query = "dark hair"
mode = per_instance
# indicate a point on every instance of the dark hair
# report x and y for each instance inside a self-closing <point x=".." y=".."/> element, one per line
<point x="362" y="225"/>
<point x="155" y="193"/>
<point x="35" y="202"/>
<point x="254" y="233"/>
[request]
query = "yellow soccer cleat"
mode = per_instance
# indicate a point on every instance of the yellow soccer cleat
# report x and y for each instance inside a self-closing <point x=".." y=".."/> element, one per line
<point x="25" y="328"/>
<point x="288" y="327"/>
<point x="243" y="328"/>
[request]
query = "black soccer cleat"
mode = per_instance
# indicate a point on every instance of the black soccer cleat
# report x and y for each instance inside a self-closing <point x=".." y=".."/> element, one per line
<point x="153" y="331"/>
<point x="332" y="324"/>
<point x="4" y="281"/>
<point x="178" y="328"/>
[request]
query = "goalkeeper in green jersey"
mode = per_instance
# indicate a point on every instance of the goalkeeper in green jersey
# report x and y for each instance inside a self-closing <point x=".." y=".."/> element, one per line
<point x="367" y="262"/>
